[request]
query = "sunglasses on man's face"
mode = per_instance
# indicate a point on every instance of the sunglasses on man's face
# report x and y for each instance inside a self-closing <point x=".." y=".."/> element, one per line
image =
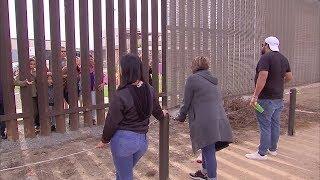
<point x="263" y="44"/>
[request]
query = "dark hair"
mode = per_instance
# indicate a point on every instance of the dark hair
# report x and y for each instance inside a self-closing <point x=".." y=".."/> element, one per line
<point x="131" y="70"/>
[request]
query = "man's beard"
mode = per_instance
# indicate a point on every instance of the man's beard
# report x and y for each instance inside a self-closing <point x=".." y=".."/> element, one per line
<point x="263" y="51"/>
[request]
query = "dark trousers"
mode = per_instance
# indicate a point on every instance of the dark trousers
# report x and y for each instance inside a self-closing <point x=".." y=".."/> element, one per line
<point x="35" y="111"/>
<point x="2" y="123"/>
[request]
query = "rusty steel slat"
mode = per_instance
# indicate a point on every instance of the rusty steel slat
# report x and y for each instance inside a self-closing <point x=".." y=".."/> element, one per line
<point x="77" y="109"/>
<point x="97" y="28"/>
<point x="41" y="77"/>
<point x="6" y="70"/>
<point x="24" y="70"/>
<point x="110" y="48"/>
<point x="9" y="117"/>
<point x="54" y="10"/>
<point x="164" y="50"/>
<point x="155" y="42"/>
<point x="71" y="61"/>
<point x="133" y="27"/>
<point x="164" y="148"/>
<point x="84" y="55"/>
<point x="122" y="28"/>
<point x="144" y="37"/>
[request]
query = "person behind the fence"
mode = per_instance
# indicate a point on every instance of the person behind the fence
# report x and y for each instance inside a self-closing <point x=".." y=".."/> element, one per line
<point x="273" y="70"/>
<point x="65" y="81"/>
<point x="2" y="123"/>
<point x="210" y="129"/>
<point x="32" y="83"/>
<point x="93" y="86"/>
<point x="51" y="100"/>
<point x="63" y="56"/>
<point x="127" y="122"/>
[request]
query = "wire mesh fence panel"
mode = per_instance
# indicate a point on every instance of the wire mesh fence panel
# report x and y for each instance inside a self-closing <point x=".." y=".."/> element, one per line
<point x="233" y="37"/>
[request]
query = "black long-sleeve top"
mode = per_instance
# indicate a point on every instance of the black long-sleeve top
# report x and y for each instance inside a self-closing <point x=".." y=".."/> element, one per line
<point x="123" y="115"/>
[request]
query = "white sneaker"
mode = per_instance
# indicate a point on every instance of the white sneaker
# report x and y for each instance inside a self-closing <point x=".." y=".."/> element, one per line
<point x="273" y="153"/>
<point x="256" y="156"/>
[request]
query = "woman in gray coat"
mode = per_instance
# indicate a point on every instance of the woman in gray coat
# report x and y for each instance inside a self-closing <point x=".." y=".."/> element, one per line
<point x="210" y="129"/>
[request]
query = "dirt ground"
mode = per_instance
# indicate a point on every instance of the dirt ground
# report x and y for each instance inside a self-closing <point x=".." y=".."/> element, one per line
<point x="298" y="159"/>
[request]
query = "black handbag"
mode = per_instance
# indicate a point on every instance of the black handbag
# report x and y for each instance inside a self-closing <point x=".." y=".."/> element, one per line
<point x="221" y="145"/>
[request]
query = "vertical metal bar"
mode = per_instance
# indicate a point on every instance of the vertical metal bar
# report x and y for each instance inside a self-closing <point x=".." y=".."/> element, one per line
<point x="155" y="42"/>
<point x="173" y="49"/>
<point x="133" y="27"/>
<point x="164" y="50"/>
<point x="164" y="149"/>
<point x="224" y="52"/>
<point x="205" y="28"/>
<point x="97" y="28"/>
<point x="237" y="46"/>
<point x="122" y="28"/>
<point x="219" y="43"/>
<point x="110" y="48"/>
<point x="197" y="28"/>
<point x="145" y="40"/>
<point x="292" y="112"/>
<point x="24" y="70"/>
<point x="84" y="55"/>
<point x="182" y="44"/>
<point x="213" y="37"/>
<point x="6" y="73"/>
<point x="71" y="58"/>
<point x="54" y="9"/>
<point x="41" y="80"/>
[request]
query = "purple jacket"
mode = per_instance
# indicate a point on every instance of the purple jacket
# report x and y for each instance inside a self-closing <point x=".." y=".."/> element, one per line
<point x="92" y="81"/>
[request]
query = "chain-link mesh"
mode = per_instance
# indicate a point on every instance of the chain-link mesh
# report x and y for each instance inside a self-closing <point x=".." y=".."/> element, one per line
<point x="230" y="33"/>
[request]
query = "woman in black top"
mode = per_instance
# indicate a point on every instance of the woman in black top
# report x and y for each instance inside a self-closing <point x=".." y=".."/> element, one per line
<point x="127" y="121"/>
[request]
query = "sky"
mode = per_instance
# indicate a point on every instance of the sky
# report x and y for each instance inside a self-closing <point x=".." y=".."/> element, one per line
<point x="77" y="29"/>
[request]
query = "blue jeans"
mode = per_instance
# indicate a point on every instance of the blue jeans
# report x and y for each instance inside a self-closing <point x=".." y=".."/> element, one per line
<point x="269" y="123"/>
<point x="53" y="118"/>
<point x="127" y="148"/>
<point x="209" y="161"/>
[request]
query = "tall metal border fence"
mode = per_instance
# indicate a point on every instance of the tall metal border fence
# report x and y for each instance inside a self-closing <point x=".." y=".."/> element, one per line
<point x="230" y="34"/>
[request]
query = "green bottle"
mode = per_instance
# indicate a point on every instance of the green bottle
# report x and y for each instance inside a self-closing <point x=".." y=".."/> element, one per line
<point x="258" y="108"/>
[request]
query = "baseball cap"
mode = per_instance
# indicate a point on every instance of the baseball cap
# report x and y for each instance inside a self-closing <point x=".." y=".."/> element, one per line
<point x="273" y="43"/>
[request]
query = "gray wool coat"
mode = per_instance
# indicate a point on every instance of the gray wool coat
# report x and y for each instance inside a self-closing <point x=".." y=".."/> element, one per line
<point x="203" y="104"/>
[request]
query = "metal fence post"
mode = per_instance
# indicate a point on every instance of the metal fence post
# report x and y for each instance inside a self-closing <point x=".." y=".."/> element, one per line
<point x="164" y="149"/>
<point x="292" y="112"/>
